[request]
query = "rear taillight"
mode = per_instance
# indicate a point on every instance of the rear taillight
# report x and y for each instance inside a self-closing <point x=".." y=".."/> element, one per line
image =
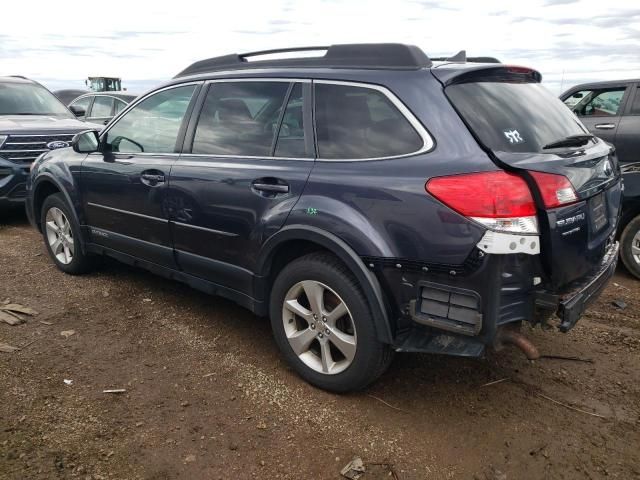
<point x="499" y="200"/>
<point x="556" y="190"/>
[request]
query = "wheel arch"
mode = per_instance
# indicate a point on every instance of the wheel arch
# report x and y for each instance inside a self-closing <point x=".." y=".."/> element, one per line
<point x="630" y="210"/>
<point x="307" y="239"/>
<point x="44" y="186"/>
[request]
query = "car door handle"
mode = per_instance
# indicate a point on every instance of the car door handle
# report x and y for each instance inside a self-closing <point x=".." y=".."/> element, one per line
<point x="152" y="179"/>
<point x="270" y="187"/>
<point x="605" y="126"/>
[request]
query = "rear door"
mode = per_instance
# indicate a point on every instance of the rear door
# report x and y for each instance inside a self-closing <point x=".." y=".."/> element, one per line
<point x="521" y="123"/>
<point x="599" y="109"/>
<point x="124" y="189"/>
<point x="247" y="157"/>
<point x="628" y="133"/>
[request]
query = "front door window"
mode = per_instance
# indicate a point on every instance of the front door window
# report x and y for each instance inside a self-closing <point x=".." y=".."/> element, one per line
<point x="152" y="126"/>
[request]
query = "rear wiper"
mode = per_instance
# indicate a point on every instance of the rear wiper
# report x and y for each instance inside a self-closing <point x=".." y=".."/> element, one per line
<point x="570" y="141"/>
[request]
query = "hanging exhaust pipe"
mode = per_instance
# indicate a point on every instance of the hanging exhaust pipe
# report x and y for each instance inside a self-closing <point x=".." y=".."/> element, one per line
<point x="511" y="336"/>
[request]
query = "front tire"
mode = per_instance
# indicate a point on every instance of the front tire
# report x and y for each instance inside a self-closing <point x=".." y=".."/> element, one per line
<point x="322" y="324"/>
<point x="630" y="247"/>
<point x="61" y="235"/>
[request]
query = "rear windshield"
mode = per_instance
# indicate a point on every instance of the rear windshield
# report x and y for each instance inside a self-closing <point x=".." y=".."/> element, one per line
<point x="514" y="117"/>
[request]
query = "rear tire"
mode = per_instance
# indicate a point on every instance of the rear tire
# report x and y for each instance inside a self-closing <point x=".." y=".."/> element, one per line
<point x="630" y="247"/>
<point x="61" y="234"/>
<point x="331" y="341"/>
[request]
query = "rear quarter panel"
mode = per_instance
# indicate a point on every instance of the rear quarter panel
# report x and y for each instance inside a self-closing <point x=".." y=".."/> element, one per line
<point x="380" y="207"/>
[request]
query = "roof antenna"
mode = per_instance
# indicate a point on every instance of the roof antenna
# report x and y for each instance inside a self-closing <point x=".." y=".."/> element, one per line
<point x="461" y="56"/>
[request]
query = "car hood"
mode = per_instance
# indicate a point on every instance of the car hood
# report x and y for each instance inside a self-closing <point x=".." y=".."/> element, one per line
<point x="39" y="123"/>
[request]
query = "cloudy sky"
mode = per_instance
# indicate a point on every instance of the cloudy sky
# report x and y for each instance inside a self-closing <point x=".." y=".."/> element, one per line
<point x="61" y="43"/>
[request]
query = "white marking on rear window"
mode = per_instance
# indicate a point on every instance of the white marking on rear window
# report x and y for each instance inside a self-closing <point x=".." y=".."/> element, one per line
<point x="513" y="136"/>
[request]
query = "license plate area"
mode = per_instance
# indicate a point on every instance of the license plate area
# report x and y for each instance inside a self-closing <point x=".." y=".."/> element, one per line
<point x="598" y="212"/>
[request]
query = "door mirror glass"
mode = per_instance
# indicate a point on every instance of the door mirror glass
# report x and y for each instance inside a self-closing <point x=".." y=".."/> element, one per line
<point x="77" y="110"/>
<point x="86" y="142"/>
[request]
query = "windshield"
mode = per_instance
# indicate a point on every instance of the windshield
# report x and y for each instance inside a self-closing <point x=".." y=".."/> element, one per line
<point x="514" y="117"/>
<point x="29" y="99"/>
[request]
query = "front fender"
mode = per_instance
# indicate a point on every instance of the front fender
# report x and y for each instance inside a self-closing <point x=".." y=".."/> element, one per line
<point x="342" y="250"/>
<point x="53" y="172"/>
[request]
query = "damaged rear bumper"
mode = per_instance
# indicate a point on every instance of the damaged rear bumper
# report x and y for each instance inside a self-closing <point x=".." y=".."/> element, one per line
<point x="463" y="313"/>
<point x="573" y="303"/>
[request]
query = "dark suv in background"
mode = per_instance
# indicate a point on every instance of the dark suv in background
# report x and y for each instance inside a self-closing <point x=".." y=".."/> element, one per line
<point x="369" y="200"/>
<point x="32" y="121"/>
<point x="611" y="111"/>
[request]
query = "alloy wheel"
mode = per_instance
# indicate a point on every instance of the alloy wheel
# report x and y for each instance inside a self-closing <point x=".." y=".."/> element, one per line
<point x="59" y="235"/>
<point x="319" y="327"/>
<point x="635" y="247"/>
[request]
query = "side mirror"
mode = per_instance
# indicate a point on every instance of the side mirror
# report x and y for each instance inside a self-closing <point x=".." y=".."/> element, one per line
<point x="77" y="111"/>
<point x="86" y="142"/>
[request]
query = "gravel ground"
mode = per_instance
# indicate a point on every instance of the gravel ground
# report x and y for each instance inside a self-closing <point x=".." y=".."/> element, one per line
<point x="208" y="395"/>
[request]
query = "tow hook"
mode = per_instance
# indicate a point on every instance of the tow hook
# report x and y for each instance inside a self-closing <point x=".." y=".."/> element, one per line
<point x="511" y="336"/>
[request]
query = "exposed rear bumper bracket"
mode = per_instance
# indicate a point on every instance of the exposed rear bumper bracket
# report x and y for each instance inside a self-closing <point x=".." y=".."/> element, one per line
<point x="573" y="304"/>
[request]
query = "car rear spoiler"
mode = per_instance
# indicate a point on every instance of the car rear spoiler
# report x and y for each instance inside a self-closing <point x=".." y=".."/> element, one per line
<point x="455" y="73"/>
<point x="461" y="57"/>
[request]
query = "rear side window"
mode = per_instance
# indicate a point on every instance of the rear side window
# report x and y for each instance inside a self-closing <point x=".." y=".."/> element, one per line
<point x="358" y="122"/>
<point x="514" y="117"/>
<point x="101" y="107"/>
<point x="596" y="103"/>
<point x="240" y="118"/>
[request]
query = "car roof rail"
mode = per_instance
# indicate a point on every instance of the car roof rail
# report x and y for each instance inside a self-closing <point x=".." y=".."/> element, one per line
<point x="19" y="76"/>
<point x="394" y="56"/>
<point x="461" y="57"/>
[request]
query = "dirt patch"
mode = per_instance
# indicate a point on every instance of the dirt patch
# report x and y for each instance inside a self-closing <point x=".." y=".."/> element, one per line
<point x="208" y="395"/>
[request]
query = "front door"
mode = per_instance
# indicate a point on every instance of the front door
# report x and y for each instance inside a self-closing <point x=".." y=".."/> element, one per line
<point x="247" y="157"/>
<point x="124" y="187"/>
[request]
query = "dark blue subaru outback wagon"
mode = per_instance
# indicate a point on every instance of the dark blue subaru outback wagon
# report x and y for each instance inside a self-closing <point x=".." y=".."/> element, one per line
<point x="368" y="199"/>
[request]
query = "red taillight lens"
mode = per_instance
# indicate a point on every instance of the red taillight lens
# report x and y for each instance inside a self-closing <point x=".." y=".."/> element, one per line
<point x="556" y="190"/>
<point x="484" y="195"/>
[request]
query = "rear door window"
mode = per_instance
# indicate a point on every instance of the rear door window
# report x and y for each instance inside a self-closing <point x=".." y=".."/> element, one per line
<point x="596" y="103"/>
<point x="240" y="118"/>
<point x="355" y="122"/>
<point x="291" y="135"/>
<point x="514" y="117"/>
<point x="101" y="107"/>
